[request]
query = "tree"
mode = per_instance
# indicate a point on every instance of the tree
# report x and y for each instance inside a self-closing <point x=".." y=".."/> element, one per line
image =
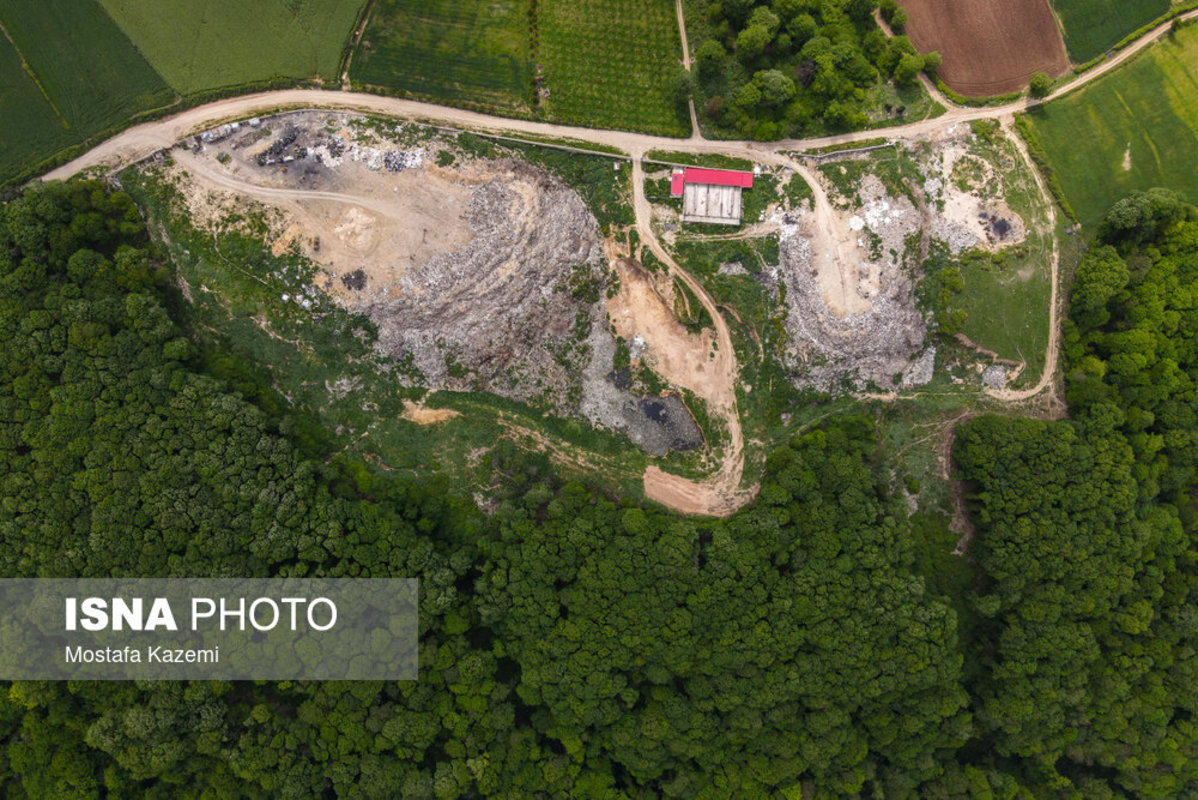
<point x="1143" y="216"/>
<point x="751" y="43"/>
<point x="776" y="89"/>
<point x="1041" y="84"/>
<point x="860" y="10"/>
<point x="709" y="59"/>
<point x="908" y="69"/>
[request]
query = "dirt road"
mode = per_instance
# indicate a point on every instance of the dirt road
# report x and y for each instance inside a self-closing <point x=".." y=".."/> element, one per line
<point x="1052" y="352"/>
<point x="141" y="141"/>
<point x="719" y="495"/>
<point x="686" y="63"/>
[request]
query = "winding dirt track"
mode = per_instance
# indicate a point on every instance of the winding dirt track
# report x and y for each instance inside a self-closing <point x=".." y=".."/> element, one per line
<point x="721" y="494"/>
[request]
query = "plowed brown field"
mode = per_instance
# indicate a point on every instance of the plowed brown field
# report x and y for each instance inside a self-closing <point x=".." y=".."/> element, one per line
<point x="989" y="46"/>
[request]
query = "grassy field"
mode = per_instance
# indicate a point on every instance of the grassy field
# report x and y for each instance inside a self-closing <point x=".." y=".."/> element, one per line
<point x="29" y="127"/>
<point x="1093" y="26"/>
<point x="1134" y="129"/>
<point x="609" y="63"/>
<point x="216" y="43"/>
<point x="463" y="50"/>
<point x="66" y="72"/>
<point x="1006" y="295"/>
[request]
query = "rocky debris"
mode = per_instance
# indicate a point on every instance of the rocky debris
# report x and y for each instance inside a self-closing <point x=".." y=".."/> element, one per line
<point x="870" y="347"/>
<point x="974" y="216"/>
<point x="880" y="346"/>
<point x="734" y="268"/>
<point x="995" y="376"/>
<point x="655" y="424"/>
<point x="497" y="314"/>
<point x="921" y="370"/>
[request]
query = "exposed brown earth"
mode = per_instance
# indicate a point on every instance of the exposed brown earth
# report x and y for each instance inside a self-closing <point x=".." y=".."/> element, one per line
<point x="989" y="46"/>
<point x="422" y="415"/>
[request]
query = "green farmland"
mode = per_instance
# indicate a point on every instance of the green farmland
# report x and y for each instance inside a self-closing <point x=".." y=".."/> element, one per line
<point x="604" y="63"/>
<point x="66" y="72"/>
<point x="1134" y="129"/>
<point x="609" y="63"/>
<point x="1093" y="26"/>
<point x="217" y="43"/>
<point x="460" y="50"/>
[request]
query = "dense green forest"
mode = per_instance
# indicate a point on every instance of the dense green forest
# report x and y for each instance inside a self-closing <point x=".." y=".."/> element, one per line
<point x="574" y="645"/>
<point x="770" y="70"/>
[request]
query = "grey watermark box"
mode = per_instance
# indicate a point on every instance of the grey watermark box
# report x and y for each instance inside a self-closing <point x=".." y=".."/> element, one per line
<point x="208" y="629"/>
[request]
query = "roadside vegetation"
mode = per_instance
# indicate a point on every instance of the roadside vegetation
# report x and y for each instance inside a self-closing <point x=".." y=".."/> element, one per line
<point x="795" y="68"/>
<point x="1130" y="131"/>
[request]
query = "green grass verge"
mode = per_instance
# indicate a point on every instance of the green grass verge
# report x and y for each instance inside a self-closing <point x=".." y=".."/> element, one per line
<point x="458" y="50"/>
<point x="710" y="160"/>
<point x="198" y="46"/>
<point x="609" y="63"/>
<point x="1094" y="26"/>
<point x="1134" y="129"/>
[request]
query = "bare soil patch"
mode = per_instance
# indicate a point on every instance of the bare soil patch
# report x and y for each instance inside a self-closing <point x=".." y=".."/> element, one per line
<point x="422" y="415"/>
<point x="989" y="47"/>
<point x="640" y="313"/>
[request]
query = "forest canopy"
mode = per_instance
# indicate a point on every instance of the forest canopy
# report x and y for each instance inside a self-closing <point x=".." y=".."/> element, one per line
<point x="774" y="70"/>
<point x="577" y="645"/>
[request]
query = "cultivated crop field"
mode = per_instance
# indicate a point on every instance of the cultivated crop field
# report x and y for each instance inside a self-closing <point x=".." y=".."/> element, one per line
<point x="477" y="50"/>
<point x="1134" y="129"/>
<point x="988" y="48"/>
<point x="609" y="63"/>
<point x="198" y="46"/>
<point x="1092" y="26"/>
<point x="66" y="72"/>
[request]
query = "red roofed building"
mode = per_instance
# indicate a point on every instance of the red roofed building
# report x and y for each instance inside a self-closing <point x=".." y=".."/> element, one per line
<point x="710" y="195"/>
<point x="718" y="177"/>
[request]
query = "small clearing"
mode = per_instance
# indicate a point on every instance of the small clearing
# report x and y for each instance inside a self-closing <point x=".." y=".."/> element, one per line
<point x="423" y="415"/>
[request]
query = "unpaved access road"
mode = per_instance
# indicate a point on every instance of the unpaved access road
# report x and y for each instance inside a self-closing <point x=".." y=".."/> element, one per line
<point x="721" y="494"/>
<point x="136" y="143"/>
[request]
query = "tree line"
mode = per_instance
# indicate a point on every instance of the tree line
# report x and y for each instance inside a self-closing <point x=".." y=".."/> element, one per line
<point x="788" y="68"/>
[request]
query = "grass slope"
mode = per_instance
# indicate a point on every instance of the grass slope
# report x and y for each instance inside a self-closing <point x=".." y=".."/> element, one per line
<point x="217" y="43"/>
<point x="609" y="63"/>
<point x="1134" y="129"/>
<point x="462" y="50"/>
<point x="1093" y="26"/>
